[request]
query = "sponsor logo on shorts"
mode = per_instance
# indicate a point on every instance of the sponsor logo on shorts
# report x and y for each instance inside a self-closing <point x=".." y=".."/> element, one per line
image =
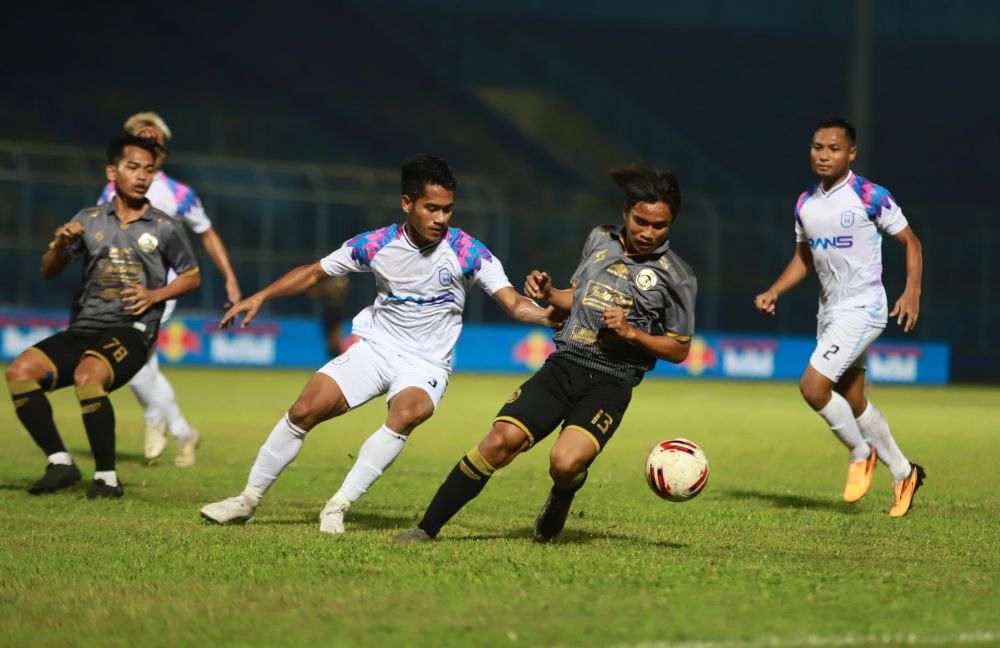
<point x="341" y="359"/>
<point x="515" y="395"/>
<point x="433" y="382"/>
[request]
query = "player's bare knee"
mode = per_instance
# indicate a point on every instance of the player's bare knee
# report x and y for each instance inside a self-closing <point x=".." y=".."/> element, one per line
<point x="501" y="445"/>
<point x="302" y="414"/>
<point x="565" y="465"/>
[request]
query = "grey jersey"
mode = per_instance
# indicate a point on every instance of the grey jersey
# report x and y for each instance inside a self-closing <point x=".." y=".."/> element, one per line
<point x="656" y="291"/>
<point x="115" y="255"/>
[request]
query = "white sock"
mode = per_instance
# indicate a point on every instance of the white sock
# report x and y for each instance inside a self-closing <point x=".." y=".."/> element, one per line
<point x="110" y="477"/>
<point x="840" y="418"/>
<point x="280" y="449"/>
<point x="875" y="429"/>
<point x="143" y="385"/>
<point x="376" y="455"/>
<point x="61" y="459"/>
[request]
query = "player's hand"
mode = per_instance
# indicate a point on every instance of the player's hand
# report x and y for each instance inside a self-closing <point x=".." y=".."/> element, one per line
<point x="614" y="319"/>
<point x="67" y="233"/>
<point x="766" y="302"/>
<point x="138" y="299"/>
<point x="907" y="308"/>
<point x="233" y="294"/>
<point x="538" y="285"/>
<point x="250" y="306"/>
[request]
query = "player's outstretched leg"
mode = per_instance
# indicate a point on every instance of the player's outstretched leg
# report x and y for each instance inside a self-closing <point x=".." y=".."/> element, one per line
<point x="468" y="478"/>
<point x="280" y="449"/>
<point x="904" y="490"/>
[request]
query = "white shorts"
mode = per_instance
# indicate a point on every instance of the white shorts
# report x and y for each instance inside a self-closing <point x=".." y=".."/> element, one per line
<point x="369" y="369"/>
<point x="841" y="343"/>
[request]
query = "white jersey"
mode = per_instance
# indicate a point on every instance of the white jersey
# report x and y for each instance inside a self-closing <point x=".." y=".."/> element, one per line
<point x="173" y="198"/>
<point x="844" y="227"/>
<point x="421" y="291"/>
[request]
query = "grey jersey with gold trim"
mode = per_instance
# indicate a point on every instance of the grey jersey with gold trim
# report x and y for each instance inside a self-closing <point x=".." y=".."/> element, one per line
<point x="656" y="291"/>
<point x="115" y="255"/>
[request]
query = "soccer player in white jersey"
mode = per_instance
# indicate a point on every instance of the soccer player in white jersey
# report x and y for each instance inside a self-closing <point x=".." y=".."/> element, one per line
<point x="839" y="224"/>
<point x="150" y="386"/>
<point x="423" y="270"/>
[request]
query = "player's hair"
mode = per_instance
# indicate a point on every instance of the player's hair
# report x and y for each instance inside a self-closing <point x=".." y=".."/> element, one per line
<point x="149" y="118"/>
<point x="839" y="122"/>
<point x="116" y="147"/>
<point x="422" y="170"/>
<point x="642" y="184"/>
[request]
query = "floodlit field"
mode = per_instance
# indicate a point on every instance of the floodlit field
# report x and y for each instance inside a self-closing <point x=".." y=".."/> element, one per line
<point x="768" y="555"/>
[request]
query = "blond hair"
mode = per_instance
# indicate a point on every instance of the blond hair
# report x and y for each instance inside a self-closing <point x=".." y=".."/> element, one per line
<point x="140" y="120"/>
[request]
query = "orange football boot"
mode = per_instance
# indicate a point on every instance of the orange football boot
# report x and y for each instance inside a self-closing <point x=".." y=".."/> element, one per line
<point x="859" y="478"/>
<point x="904" y="490"/>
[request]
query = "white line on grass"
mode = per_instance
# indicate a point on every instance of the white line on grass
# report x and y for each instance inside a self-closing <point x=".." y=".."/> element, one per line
<point x="886" y="639"/>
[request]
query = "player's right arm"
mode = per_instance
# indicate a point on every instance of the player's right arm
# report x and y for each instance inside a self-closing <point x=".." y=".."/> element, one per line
<point x="538" y="285"/>
<point x="295" y="282"/>
<point x="58" y="256"/>
<point x="794" y="272"/>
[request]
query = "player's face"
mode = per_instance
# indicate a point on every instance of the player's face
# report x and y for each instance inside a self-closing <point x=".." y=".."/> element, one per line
<point x="646" y="226"/>
<point x="133" y="173"/>
<point x="152" y="132"/>
<point x="427" y="217"/>
<point x="831" y="155"/>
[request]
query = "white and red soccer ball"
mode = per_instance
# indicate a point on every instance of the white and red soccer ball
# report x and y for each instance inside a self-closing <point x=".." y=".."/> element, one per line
<point x="677" y="470"/>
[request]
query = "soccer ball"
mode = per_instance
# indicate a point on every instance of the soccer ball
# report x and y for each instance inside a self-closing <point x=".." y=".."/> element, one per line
<point x="676" y="470"/>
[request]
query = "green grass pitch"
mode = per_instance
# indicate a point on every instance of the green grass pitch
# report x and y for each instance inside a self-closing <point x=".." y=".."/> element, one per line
<point x="767" y="555"/>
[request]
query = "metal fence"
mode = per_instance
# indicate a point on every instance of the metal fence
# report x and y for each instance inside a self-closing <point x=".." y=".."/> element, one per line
<point x="275" y="215"/>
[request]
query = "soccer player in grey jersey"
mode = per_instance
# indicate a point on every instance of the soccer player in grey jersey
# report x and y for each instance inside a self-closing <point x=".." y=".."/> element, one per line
<point x="127" y="247"/>
<point x="631" y="302"/>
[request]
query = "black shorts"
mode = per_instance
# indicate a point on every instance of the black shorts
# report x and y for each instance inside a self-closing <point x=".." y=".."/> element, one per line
<point x="123" y="350"/>
<point x="563" y="391"/>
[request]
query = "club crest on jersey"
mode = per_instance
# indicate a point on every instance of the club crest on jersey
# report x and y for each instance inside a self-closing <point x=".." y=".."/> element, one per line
<point x="445" y="276"/>
<point x="148" y="242"/>
<point x="646" y="279"/>
<point x="847" y="219"/>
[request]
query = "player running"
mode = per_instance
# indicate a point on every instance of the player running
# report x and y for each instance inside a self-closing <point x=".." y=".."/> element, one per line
<point x="631" y="303"/>
<point x="127" y="247"/>
<point x="423" y="269"/>
<point x="150" y="386"/>
<point x="839" y="225"/>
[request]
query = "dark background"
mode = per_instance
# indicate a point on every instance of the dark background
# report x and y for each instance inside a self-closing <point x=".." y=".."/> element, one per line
<point x="535" y="101"/>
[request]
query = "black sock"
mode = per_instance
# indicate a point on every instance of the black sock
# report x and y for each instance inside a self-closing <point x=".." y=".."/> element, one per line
<point x="561" y="492"/>
<point x="99" y="421"/>
<point x="35" y="413"/>
<point x="465" y="481"/>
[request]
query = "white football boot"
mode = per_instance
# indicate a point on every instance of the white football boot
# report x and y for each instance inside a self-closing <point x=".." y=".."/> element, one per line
<point x="331" y="518"/>
<point x="235" y="510"/>
<point x="156" y="440"/>
<point x="186" y="449"/>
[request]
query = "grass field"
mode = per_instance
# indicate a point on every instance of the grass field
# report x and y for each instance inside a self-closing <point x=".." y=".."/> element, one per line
<point x="768" y="555"/>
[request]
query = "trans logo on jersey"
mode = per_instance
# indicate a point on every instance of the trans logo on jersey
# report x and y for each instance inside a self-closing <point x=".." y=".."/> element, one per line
<point x="839" y="242"/>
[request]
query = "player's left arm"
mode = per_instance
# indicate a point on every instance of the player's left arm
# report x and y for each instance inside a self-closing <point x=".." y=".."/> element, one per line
<point x="907" y="307"/>
<point x="672" y="348"/>
<point x="220" y="257"/>
<point x="522" y="309"/>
